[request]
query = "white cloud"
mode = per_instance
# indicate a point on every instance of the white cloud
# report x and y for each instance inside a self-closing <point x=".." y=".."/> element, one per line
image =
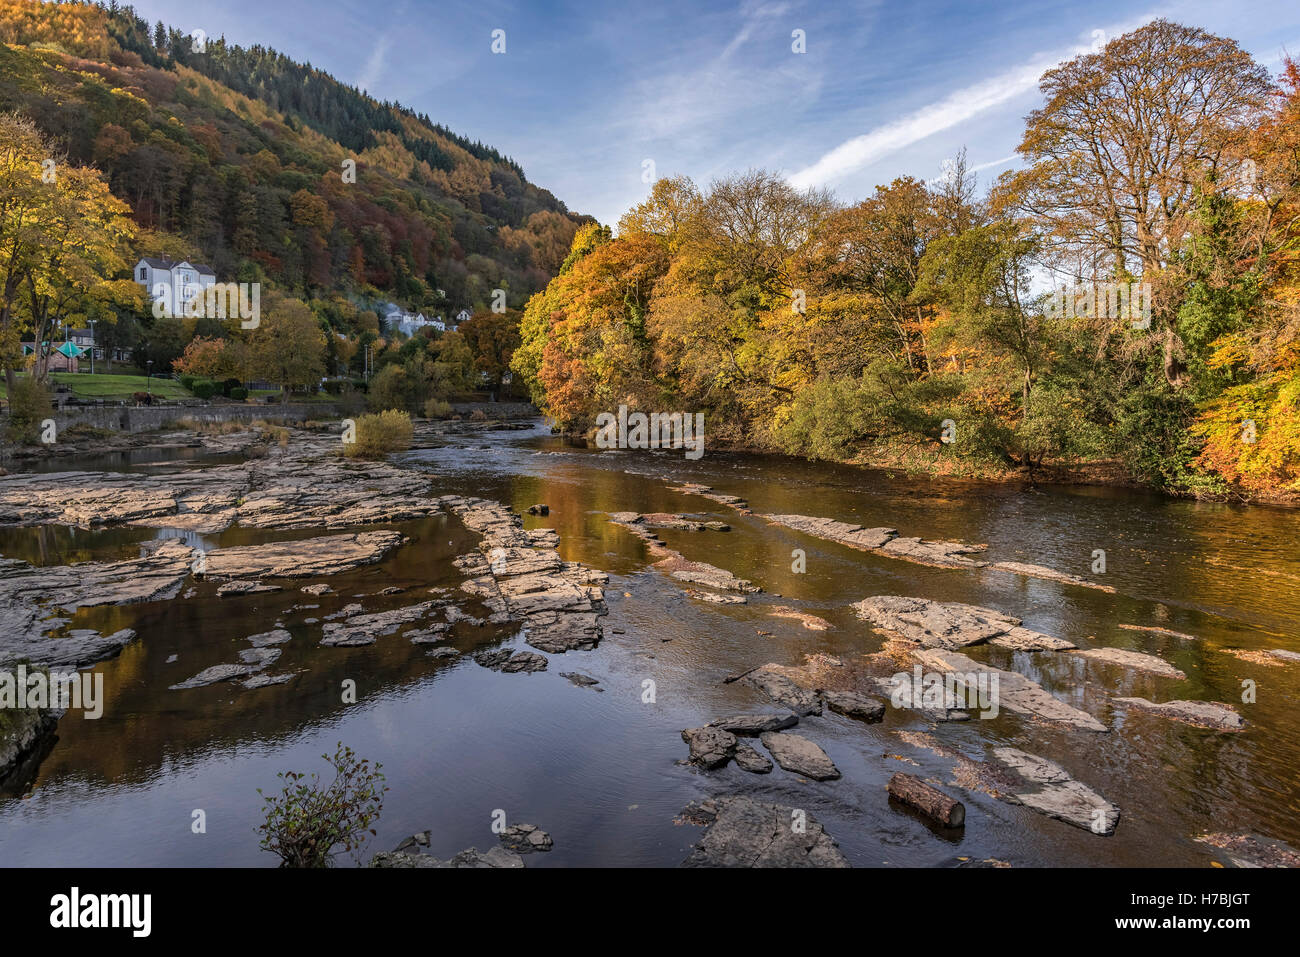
<point x="959" y="106"/>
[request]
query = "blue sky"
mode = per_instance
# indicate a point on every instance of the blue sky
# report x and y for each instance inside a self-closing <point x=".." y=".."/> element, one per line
<point x="587" y="92"/>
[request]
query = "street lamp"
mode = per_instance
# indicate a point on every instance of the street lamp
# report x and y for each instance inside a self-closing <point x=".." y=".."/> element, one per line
<point x="149" y="381"/>
<point x="92" y="345"/>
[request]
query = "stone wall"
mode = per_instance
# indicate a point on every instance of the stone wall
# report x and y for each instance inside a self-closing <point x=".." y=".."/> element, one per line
<point x="145" y="418"/>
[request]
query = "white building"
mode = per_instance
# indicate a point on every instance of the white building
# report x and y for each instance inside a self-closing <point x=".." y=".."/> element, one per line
<point x="462" y="316"/>
<point x="174" y="284"/>
<point x="398" y="320"/>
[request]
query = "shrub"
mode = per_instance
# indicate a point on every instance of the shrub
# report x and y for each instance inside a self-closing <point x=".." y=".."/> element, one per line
<point x="437" y="408"/>
<point x="306" y="822"/>
<point x="204" y="390"/>
<point x="478" y="415"/>
<point x="239" y="392"/>
<point x="230" y="385"/>
<point x="187" y="382"/>
<point x="379" y="434"/>
<point x="29" y="405"/>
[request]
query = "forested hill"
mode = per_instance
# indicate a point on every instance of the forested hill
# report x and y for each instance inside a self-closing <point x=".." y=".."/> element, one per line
<point x="237" y="157"/>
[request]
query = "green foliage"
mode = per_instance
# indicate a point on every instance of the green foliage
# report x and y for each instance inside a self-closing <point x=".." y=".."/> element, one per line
<point x="204" y="389"/>
<point x="380" y="434"/>
<point x="29" y="405"/>
<point x="437" y="408"/>
<point x="305" y="823"/>
<point x="239" y="393"/>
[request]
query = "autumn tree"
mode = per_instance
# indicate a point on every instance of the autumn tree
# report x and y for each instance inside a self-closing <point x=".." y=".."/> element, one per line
<point x="287" y="348"/>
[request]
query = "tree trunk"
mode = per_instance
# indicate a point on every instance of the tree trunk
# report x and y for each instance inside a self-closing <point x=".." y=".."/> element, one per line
<point x="930" y="801"/>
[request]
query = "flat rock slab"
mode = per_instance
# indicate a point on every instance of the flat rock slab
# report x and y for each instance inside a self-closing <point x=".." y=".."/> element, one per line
<point x="885" y="541"/>
<point x="1050" y="574"/>
<point x="210" y="676"/>
<point x="1052" y="791"/>
<point x="783" y="691"/>
<point x="701" y="573"/>
<point x="327" y="555"/>
<point x="743" y="832"/>
<point x="731" y="501"/>
<point x="811" y="622"/>
<point x="366" y="629"/>
<point x="798" y="755"/>
<point x="951" y="625"/>
<point x="710" y="747"/>
<point x="854" y="705"/>
<point x="752" y="725"/>
<point x="1201" y="714"/>
<point x="1015" y="692"/>
<point x="265" y="681"/>
<point x="748" y="759"/>
<point x="714" y="598"/>
<point x="581" y="680"/>
<point x="1132" y="659"/>
<point x="276" y="637"/>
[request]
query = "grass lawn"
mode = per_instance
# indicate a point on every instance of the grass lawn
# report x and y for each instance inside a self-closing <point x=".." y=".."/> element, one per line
<point x="108" y="386"/>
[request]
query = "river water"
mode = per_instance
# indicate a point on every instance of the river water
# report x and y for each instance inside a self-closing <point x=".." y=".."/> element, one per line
<point x="601" y="771"/>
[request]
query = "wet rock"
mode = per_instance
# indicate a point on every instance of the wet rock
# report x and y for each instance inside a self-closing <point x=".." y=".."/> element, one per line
<point x="710" y="747"/>
<point x="327" y="555"/>
<point x="526" y="839"/>
<point x="1052" y="791"/>
<point x="714" y="598"/>
<point x="33" y="599"/>
<point x="854" y="705"/>
<point x="317" y="589"/>
<point x="1132" y="659"/>
<point x="784" y="691"/>
<point x="904" y="694"/>
<point x="748" y="759"/>
<point x="539" y="510"/>
<point x="244" y="588"/>
<point x="951" y="625"/>
<point x="743" y="832"/>
<point x="210" y="676"/>
<point x="1243" y="850"/>
<point x="1152" y="629"/>
<point x="752" y="725"/>
<point x="884" y="541"/>
<point x="811" y="622"/>
<point x="262" y="657"/>
<point x="1202" y="714"/>
<point x="264" y="680"/>
<point x="23" y="732"/>
<point x="427" y="636"/>
<point x="366" y="629"/>
<point x="1015" y="691"/>
<point x="581" y="680"/>
<point x="472" y="858"/>
<point x="443" y="653"/>
<point x="1041" y="571"/>
<point x="677" y="522"/>
<point x="511" y="662"/>
<point x="700" y="573"/>
<point x="277" y="637"/>
<point x="798" y="755"/>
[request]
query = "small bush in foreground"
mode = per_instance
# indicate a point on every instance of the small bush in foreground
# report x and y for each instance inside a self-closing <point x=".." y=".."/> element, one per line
<point x="380" y="434"/>
<point x="437" y="408"/>
<point x="305" y="822"/>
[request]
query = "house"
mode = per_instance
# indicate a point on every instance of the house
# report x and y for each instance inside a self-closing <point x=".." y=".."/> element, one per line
<point x="462" y="316"/>
<point x="174" y="284"/>
<point x="398" y="320"/>
<point x="85" y="340"/>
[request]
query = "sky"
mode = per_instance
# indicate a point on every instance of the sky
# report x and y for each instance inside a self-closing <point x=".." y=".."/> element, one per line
<point x="595" y="100"/>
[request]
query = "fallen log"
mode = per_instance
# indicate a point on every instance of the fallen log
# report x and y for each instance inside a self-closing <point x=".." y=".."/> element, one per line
<point x="930" y="801"/>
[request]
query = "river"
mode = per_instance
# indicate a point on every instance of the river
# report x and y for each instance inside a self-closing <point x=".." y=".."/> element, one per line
<point x="601" y="772"/>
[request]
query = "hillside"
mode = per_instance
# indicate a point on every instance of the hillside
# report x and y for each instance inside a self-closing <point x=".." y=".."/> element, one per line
<point x="236" y="157"/>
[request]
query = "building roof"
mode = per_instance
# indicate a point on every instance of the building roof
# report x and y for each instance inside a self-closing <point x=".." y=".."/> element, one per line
<point x="170" y="264"/>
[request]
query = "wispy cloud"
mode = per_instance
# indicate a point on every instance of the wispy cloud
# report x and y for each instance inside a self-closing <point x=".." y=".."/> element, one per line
<point x="959" y="106"/>
<point x="374" y="67"/>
